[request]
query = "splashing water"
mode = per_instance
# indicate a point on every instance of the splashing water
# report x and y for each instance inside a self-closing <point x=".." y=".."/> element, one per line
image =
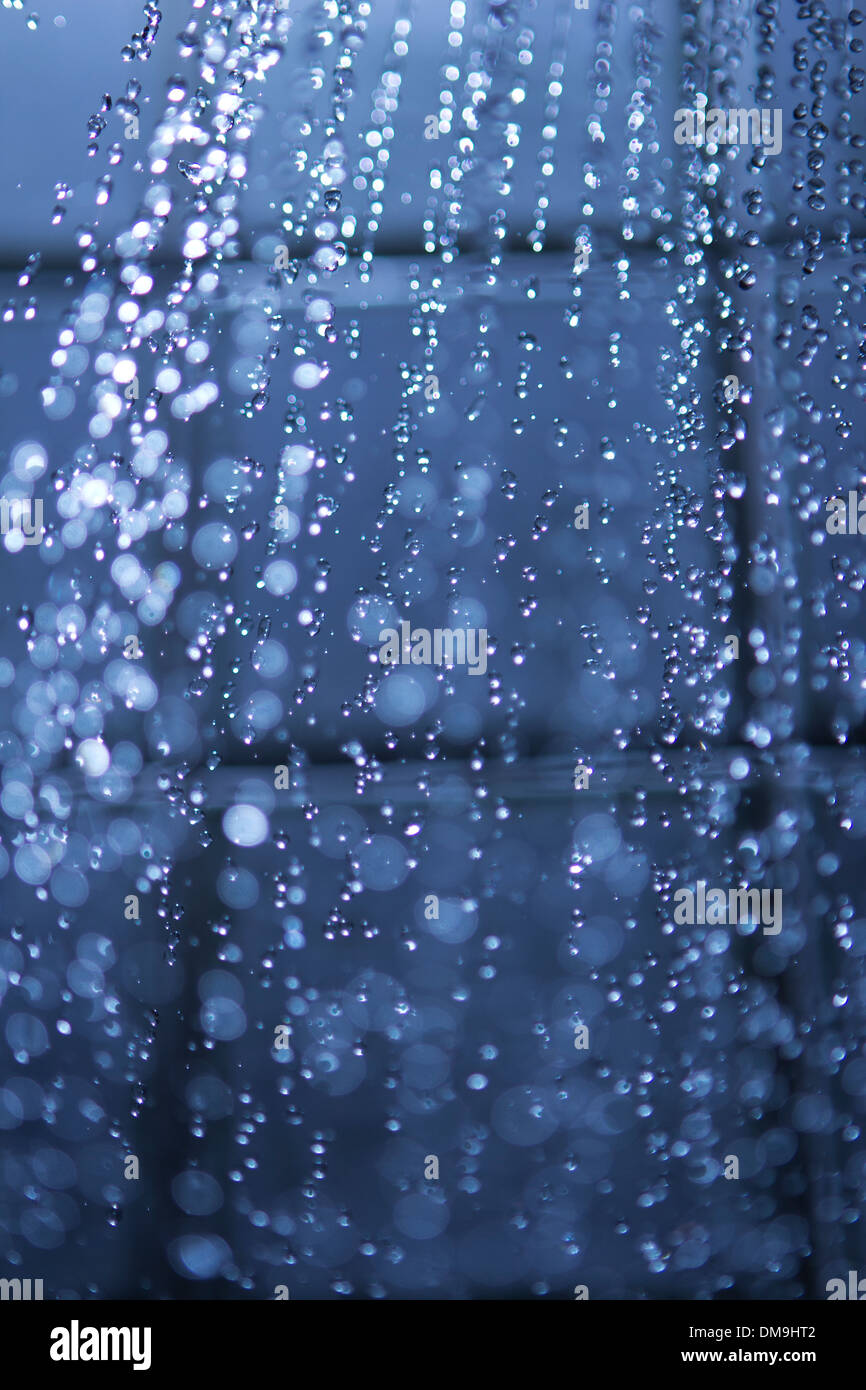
<point x="355" y="318"/>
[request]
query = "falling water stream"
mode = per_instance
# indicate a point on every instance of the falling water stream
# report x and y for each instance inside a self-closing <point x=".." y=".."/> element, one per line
<point x="376" y="312"/>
